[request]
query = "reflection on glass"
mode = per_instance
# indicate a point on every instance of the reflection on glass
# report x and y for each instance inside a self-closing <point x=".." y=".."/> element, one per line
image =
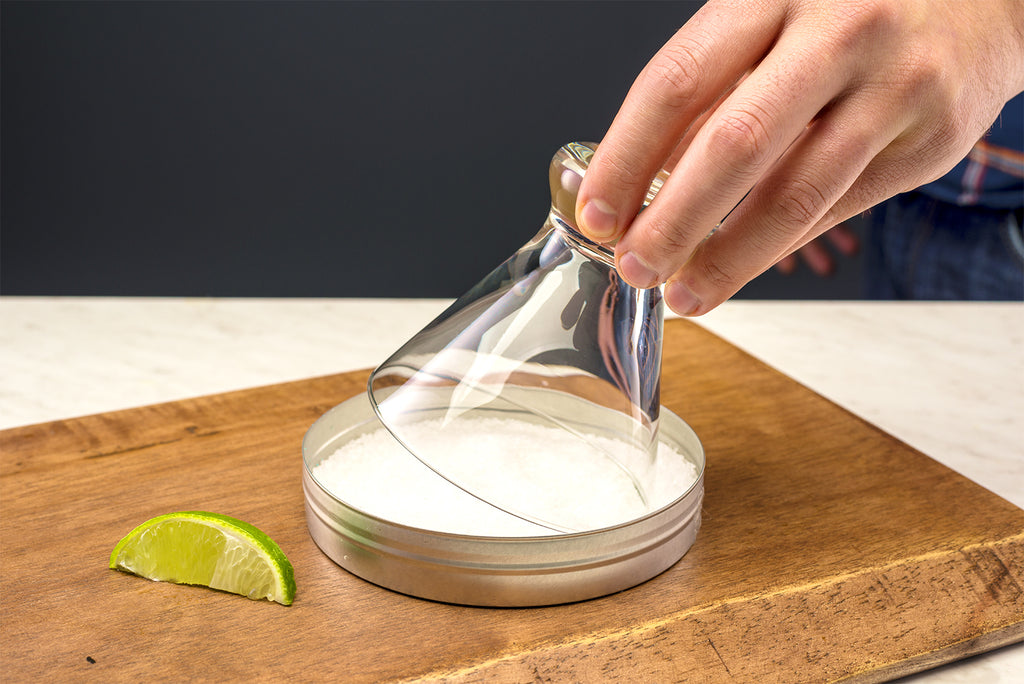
<point x="552" y="338"/>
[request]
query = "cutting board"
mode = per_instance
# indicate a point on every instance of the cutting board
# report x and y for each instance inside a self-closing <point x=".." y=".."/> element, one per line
<point x="829" y="550"/>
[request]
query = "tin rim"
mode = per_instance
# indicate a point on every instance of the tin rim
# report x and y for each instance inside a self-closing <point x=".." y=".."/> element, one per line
<point x="494" y="571"/>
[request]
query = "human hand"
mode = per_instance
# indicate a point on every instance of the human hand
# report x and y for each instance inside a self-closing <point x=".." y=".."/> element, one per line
<point x="808" y="111"/>
<point x="817" y="256"/>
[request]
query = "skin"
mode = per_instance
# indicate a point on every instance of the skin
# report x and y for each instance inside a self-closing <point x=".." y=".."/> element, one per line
<point x="788" y="117"/>
<point x="817" y="256"/>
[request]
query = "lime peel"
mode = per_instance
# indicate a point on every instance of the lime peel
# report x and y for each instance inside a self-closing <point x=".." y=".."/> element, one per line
<point x="207" y="549"/>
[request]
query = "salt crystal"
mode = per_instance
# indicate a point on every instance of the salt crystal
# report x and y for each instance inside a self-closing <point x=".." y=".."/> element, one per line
<point x="377" y="475"/>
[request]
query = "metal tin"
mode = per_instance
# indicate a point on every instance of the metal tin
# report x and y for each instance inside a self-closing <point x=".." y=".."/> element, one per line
<point x="494" y="571"/>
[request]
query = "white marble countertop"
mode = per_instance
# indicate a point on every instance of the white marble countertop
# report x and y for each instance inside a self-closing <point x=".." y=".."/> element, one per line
<point x="947" y="379"/>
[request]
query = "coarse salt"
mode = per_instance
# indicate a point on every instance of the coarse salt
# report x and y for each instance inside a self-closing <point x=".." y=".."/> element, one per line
<point x="376" y="475"/>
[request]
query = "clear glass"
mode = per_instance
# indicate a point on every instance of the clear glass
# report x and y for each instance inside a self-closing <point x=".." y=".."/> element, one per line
<point x="551" y="335"/>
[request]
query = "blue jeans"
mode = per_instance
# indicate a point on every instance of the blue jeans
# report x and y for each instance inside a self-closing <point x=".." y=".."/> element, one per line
<point x="920" y="248"/>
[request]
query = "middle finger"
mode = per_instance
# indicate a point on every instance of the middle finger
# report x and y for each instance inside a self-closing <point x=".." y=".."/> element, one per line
<point x="741" y="140"/>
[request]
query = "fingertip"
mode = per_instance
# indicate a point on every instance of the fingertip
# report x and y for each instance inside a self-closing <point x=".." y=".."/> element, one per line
<point x="825" y="269"/>
<point x="818" y="260"/>
<point x="598" y="219"/>
<point x="786" y="265"/>
<point x="682" y="299"/>
<point x="636" y="271"/>
<point x="844" y="240"/>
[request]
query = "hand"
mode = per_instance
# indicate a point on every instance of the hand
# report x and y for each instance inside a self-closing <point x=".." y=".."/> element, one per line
<point x="817" y="256"/>
<point x="808" y="111"/>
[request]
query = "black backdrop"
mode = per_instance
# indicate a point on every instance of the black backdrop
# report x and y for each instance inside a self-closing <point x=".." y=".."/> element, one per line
<point x="300" y="148"/>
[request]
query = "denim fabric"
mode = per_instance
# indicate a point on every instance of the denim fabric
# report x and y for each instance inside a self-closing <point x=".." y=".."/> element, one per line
<point x="920" y="248"/>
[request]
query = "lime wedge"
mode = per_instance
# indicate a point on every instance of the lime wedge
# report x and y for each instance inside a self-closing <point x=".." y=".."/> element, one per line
<point x="210" y="550"/>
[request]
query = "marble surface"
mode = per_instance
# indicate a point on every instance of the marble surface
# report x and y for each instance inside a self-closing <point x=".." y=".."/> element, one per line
<point x="946" y="378"/>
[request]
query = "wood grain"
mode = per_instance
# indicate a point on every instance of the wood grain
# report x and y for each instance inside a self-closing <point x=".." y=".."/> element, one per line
<point x="830" y="551"/>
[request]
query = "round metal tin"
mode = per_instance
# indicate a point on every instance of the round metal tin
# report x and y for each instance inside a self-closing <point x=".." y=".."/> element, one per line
<point x="494" y="571"/>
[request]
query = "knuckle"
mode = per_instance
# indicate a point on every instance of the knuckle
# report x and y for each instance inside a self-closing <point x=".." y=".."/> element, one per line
<point x="946" y="135"/>
<point x="672" y="243"/>
<point x="943" y="123"/>
<point x="803" y="204"/>
<point x="674" y="74"/>
<point x="924" y="77"/>
<point x="867" y="19"/>
<point x="855" y="25"/>
<point x="742" y="134"/>
<point x="922" y="72"/>
<point x="627" y="173"/>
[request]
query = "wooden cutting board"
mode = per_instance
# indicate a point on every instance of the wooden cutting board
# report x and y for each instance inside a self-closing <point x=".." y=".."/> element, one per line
<point x="829" y="550"/>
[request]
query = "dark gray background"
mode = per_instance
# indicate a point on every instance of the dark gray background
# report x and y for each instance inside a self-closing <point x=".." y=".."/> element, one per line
<point x="341" y="149"/>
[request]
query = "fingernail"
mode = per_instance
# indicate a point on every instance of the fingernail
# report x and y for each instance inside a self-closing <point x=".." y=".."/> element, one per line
<point x="681" y="299"/>
<point x="636" y="271"/>
<point x="599" y="219"/>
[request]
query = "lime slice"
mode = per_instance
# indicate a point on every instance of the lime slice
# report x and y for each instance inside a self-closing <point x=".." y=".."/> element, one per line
<point x="207" y="549"/>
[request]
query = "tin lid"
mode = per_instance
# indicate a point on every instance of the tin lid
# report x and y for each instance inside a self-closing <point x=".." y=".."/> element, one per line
<point x="407" y="546"/>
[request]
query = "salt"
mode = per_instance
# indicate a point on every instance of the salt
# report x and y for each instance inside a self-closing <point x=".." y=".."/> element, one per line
<point x="377" y="475"/>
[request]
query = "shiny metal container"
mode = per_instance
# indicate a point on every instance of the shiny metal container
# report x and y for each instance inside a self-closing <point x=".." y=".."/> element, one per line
<point x="495" y="571"/>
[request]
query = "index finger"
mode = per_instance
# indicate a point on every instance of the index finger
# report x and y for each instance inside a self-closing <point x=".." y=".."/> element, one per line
<point x="704" y="59"/>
